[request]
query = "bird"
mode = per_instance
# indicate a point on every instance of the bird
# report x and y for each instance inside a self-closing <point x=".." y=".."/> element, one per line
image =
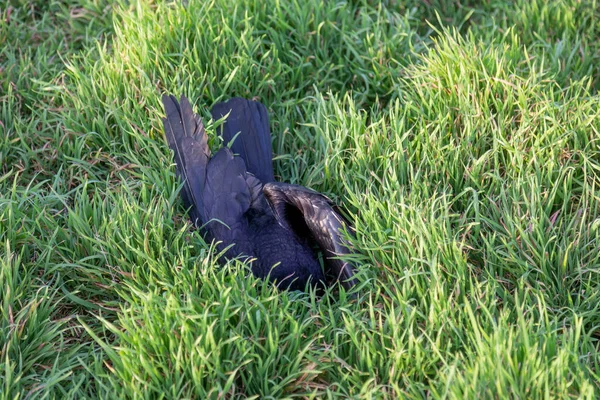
<point x="233" y="197"/>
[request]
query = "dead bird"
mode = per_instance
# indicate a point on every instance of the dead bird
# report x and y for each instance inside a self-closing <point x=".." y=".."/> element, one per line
<point x="234" y="198"/>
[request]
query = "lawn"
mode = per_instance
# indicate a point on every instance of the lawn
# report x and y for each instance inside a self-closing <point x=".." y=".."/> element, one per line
<point x="461" y="137"/>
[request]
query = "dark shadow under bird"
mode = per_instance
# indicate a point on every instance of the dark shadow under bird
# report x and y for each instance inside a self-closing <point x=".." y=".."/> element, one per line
<point x="234" y="198"/>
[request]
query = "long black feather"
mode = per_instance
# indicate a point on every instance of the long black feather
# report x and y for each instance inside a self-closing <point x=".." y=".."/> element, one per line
<point x="187" y="138"/>
<point x="248" y="126"/>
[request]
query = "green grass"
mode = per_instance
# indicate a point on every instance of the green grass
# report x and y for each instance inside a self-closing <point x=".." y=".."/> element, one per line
<point x="463" y="139"/>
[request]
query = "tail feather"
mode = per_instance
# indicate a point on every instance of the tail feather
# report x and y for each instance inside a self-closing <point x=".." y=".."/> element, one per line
<point x="248" y="124"/>
<point x="187" y="138"/>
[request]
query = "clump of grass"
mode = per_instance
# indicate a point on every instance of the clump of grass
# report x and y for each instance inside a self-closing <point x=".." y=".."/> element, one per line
<point x="461" y="138"/>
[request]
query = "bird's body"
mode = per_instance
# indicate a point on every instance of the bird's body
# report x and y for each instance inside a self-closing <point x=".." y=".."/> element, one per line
<point x="272" y="244"/>
<point x="268" y="244"/>
<point x="237" y="202"/>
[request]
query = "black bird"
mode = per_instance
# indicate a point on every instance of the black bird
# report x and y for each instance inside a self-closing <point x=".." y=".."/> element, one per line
<point x="234" y="198"/>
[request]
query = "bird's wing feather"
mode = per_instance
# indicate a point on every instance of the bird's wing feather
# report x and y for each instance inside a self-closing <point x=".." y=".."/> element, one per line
<point x="247" y="124"/>
<point x="305" y="211"/>
<point x="187" y="138"/>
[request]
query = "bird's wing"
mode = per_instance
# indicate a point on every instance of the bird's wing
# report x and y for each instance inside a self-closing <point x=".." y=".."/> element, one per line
<point x="218" y="190"/>
<point x="311" y="214"/>
<point x="247" y="125"/>
<point x="186" y="137"/>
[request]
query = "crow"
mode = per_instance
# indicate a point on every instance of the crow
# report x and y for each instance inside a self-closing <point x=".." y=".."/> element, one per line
<point x="232" y="196"/>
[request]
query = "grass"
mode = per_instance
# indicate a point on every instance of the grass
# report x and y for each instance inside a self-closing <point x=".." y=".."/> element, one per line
<point x="463" y="138"/>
